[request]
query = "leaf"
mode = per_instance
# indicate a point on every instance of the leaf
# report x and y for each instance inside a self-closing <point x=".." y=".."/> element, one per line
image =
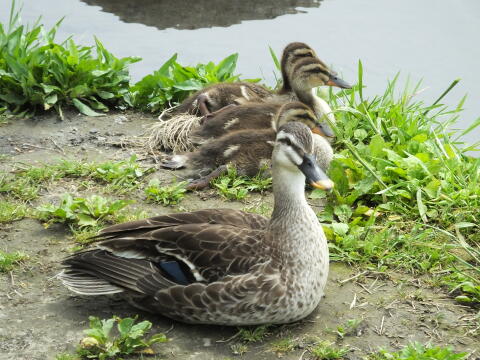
<point x="422" y="209"/>
<point x="275" y="58"/>
<point x="86" y="220"/>
<point x="124" y="326"/>
<point x="84" y="109"/>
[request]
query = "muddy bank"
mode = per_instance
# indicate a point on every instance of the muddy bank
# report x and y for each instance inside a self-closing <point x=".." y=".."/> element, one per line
<point x="40" y="318"/>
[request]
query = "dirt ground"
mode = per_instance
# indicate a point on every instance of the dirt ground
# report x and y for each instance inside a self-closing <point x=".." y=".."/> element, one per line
<point x="39" y="318"/>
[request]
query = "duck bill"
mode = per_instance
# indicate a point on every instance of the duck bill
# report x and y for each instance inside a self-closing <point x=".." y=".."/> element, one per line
<point x="316" y="177"/>
<point x="336" y="81"/>
<point x="323" y="129"/>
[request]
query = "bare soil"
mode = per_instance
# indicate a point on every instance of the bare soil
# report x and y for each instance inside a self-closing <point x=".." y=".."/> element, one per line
<point x="39" y="318"/>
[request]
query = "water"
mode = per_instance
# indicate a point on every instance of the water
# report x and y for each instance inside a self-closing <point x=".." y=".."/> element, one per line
<point x="433" y="40"/>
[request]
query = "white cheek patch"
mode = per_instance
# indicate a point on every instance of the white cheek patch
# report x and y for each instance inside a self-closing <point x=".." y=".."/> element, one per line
<point x="293" y="156"/>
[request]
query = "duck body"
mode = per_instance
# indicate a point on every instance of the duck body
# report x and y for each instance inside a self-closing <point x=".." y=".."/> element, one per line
<point x="224" y="267"/>
<point x="217" y="96"/>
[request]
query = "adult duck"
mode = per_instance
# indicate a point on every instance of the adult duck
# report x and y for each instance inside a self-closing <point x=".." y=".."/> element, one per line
<point x="222" y="267"/>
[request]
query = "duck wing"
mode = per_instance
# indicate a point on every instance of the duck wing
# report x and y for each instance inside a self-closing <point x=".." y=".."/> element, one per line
<point x="165" y="256"/>
<point x="231" y="217"/>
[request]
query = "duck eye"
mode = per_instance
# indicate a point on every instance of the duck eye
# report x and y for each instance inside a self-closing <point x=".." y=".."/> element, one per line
<point x="287" y="141"/>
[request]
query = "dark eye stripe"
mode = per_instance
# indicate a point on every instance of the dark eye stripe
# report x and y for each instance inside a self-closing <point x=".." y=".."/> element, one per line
<point x="288" y="142"/>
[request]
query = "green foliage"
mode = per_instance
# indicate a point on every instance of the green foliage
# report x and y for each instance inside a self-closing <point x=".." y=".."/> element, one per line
<point x="328" y="351"/>
<point x="80" y="212"/>
<point x="417" y="351"/>
<point x="253" y="334"/>
<point x="403" y="181"/>
<point x="38" y="74"/>
<point x="121" y="174"/>
<point x="234" y="187"/>
<point x="8" y="261"/>
<point x="165" y="195"/>
<point x="173" y="83"/>
<point x="12" y="211"/>
<point x="100" y="344"/>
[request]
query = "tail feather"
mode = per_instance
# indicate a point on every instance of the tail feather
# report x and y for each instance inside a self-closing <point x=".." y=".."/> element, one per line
<point x="85" y="284"/>
<point x="104" y="272"/>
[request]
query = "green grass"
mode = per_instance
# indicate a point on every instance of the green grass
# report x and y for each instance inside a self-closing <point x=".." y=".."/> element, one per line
<point x="406" y="194"/>
<point x="283" y="346"/>
<point x="8" y="261"/>
<point x="417" y="351"/>
<point x="253" y="334"/>
<point x="328" y="351"/>
<point x="165" y="195"/>
<point x="39" y="74"/>
<point x="25" y="183"/>
<point x="12" y="211"/>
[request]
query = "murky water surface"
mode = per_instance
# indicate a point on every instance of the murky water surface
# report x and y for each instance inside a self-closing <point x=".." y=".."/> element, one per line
<point x="433" y="40"/>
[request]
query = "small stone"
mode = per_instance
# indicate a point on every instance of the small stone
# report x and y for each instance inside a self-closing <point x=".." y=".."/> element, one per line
<point x="101" y="138"/>
<point x="93" y="131"/>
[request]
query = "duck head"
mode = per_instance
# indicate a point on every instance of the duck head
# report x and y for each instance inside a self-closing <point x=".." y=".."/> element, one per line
<point x="293" y="153"/>
<point x="297" y="111"/>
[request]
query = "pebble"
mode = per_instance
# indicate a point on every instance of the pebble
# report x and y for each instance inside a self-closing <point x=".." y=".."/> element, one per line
<point x="93" y="131"/>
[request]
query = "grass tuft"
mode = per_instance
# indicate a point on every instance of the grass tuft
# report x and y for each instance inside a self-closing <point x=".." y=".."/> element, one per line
<point x="8" y="261"/>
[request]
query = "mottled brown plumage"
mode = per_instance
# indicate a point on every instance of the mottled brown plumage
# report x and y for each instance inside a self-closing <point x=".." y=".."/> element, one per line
<point x="220" y="266"/>
<point x="247" y="150"/>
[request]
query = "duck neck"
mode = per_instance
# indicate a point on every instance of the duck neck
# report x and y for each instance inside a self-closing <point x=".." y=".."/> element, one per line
<point x="289" y="193"/>
<point x="319" y="106"/>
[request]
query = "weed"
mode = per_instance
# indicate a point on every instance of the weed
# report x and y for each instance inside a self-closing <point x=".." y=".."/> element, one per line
<point x="39" y="74"/>
<point x="12" y="211"/>
<point x="8" y="261"/>
<point x="100" y="344"/>
<point x="349" y="328"/>
<point x="172" y="83"/>
<point x="238" y="348"/>
<point x="418" y="351"/>
<point x="283" y="346"/>
<point x="253" y="334"/>
<point x="328" y="351"/>
<point x="80" y="212"/>
<point x="234" y="187"/>
<point x="66" y="356"/>
<point x="165" y="195"/>
<point x="122" y="174"/>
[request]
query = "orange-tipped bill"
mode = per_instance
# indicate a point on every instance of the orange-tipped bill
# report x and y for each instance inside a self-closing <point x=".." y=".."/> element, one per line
<point x="326" y="185"/>
<point x="336" y="81"/>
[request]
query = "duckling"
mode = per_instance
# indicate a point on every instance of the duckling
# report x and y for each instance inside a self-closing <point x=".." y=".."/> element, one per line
<point x="248" y="151"/>
<point x="220" y="266"/>
<point x="215" y="97"/>
<point x="306" y="74"/>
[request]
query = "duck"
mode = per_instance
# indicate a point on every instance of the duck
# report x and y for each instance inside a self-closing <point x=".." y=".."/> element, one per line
<point x="306" y="74"/>
<point x="207" y="101"/>
<point x="246" y="150"/>
<point x="220" y="266"/>
<point x="301" y="70"/>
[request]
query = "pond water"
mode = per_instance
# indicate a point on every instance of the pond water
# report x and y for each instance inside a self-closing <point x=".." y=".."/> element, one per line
<point x="433" y="40"/>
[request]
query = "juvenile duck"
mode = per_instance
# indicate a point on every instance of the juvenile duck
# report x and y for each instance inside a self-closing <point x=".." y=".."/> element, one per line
<point x="217" y="96"/>
<point x="248" y="151"/>
<point x="306" y="74"/>
<point x="224" y="267"/>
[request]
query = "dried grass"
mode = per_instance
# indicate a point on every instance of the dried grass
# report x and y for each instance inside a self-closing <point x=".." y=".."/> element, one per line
<point x="173" y="134"/>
